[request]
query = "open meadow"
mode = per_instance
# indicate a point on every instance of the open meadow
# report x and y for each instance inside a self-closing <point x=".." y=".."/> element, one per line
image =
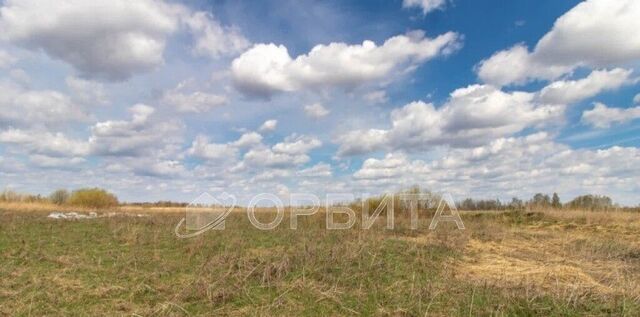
<point x="567" y="263"/>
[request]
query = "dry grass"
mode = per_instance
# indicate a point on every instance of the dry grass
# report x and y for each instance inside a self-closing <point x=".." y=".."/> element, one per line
<point x="509" y="263"/>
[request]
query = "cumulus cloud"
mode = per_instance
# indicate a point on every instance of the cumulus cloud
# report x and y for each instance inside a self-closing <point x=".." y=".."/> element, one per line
<point x="472" y="116"/>
<point x="297" y="144"/>
<point x="139" y="136"/>
<point x="218" y="152"/>
<point x="426" y="5"/>
<point x="193" y="102"/>
<point x="571" y="91"/>
<point x="510" y="167"/>
<point x="318" y="170"/>
<point x="203" y="149"/>
<point x="45" y="143"/>
<point x="292" y="151"/>
<point x="316" y="110"/>
<point x="270" y="158"/>
<point x="362" y="141"/>
<point x="248" y="139"/>
<point x="268" y="68"/>
<point x="101" y="39"/>
<point x="112" y="39"/>
<point x="576" y="39"/>
<point x="45" y="161"/>
<point x="392" y="165"/>
<point x="213" y="39"/>
<point x="56" y="162"/>
<point x="23" y="107"/>
<point x="86" y="91"/>
<point x="157" y="168"/>
<point x="516" y="66"/>
<point x="269" y="175"/>
<point x="603" y="117"/>
<point x="269" y="125"/>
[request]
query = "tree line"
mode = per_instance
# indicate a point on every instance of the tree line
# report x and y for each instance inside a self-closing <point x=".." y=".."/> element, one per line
<point x="541" y="201"/>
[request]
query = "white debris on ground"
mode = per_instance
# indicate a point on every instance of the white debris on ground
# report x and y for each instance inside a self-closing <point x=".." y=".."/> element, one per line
<point x="91" y="215"/>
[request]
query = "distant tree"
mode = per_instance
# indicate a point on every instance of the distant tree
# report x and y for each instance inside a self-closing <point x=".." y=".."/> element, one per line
<point x="591" y="202"/>
<point x="59" y="197"/>
<point x="555" y="201"/>
<point x="516" y="203"/>
<point x="93" y="198"/>
<point x="540" y="201"/>
<point x="467" y="204"/>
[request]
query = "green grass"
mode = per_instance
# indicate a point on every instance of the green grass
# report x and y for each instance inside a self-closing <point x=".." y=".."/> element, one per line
<point x="128" y="265"/>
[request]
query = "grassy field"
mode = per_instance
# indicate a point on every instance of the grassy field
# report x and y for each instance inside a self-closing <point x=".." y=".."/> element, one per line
<point x="516" y="263"/>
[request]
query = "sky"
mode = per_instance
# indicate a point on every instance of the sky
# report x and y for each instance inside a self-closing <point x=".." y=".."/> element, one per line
<point x="165" y="100"/>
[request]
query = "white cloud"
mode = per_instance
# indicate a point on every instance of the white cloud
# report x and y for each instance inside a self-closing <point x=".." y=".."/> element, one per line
<point x="212" y="39"/>
<point x="297" y="144"/>
<point x="267" y="68"/>
<point x="201" y="148"/>
<point x="140" y="136"/>
<point x="270" y="158"/>
<point x="272" y="174"/>
<point x="45" y="143"/>
<point x="426" y="5"/>
<point x="101" y="39"/>
<point x="318" y="170"/>
<point x="393" y="165"/>
<point x="22" y="107"/>
<point x="56" y="162"/>
<point x="86" y="91"/>
<point x="508" y="167"/>
<point x="248" y="139"/>
<point x="362" y="141"/>
<point x="576" y="39"/>
<point x="516" y="66"/>
<point x="159" y="168"/>
<point x="269" y="125"/>
<point x="194" y="102"/>
<point x="571" y="91"/>
<point x="636" y="99"/>
<point x="290" y="152"/>
<point x="472" y="116"/>
<point x="602" y="116"/>
<point x="316" y="110"/>
<point x="112" y="39"/>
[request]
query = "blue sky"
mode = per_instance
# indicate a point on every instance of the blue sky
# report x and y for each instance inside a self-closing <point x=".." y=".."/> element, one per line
<point x="158" y="100"/>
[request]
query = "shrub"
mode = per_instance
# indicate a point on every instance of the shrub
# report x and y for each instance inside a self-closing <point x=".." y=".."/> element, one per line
<point x="9" y="196"/>
<point x="591" y="202"/>
<point x="12" y="196"/>
<point x="93" y="198"/>
<point x="59" y="197"/>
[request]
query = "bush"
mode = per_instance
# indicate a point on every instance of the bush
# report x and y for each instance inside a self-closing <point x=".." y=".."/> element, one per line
<point x="93" y="198"/>
<point x="591" y="202"/>
<point x="10" y="196"/>
<point x="59" y="197"/>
